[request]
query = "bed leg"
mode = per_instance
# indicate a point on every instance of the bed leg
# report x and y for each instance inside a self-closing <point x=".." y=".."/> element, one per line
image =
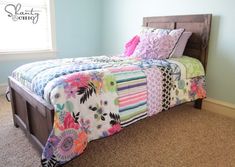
<point x="15" y="122"/>
<point x="198" y="104"/>
<point x="16" y="126"/>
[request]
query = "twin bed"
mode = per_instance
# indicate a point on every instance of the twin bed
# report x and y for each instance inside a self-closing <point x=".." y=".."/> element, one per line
<point x="98" y="96"/>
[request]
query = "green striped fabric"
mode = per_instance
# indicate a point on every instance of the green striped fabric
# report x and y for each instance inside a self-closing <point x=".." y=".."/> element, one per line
<point x="132" y="92"/>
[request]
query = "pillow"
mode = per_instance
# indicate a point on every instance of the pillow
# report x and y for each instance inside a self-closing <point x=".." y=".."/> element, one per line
<point x="180" y="46"/>
<point x="157" y="31"/>
<point x="159" y="45"/>
<point x="131" y="45"/>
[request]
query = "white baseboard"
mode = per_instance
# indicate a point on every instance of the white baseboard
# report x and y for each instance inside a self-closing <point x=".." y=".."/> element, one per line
<point x="220" y="107"/>
<point x="3" y="88"/>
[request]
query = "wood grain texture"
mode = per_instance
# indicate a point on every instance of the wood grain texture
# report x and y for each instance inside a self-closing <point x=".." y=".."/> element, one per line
<point x="31" y="113"/>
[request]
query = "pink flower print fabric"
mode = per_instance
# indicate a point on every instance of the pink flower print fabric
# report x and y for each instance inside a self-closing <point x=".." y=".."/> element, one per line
<point x="154" y="87"/>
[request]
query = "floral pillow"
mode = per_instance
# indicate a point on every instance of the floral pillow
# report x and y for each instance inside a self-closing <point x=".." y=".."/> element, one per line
<point x="155" y="45"/>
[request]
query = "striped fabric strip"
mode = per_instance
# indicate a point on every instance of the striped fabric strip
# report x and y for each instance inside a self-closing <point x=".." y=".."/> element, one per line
<point x="133" y="106"/>
<point x="128" y="115"/>
<point x="132" y="101"/>
<point x="132" y="92"/>
<point x="130" y="79"/>
<point x="130" y="96"/>
<point x="130" y="75"/>
<point x="129" y="86"/>
<point x="134" y="119"/>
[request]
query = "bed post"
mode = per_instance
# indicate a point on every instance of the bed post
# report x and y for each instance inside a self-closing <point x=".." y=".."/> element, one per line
<point x="13" y="104"/>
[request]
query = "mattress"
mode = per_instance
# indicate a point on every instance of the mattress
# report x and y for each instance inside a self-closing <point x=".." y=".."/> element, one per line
<point x="96" y="97"/>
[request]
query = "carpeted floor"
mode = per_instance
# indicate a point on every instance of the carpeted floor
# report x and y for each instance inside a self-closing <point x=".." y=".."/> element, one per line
<point x="180" y="137"/>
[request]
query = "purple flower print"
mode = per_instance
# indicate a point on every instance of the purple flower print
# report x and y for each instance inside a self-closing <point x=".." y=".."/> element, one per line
<point x="70" y="91"/>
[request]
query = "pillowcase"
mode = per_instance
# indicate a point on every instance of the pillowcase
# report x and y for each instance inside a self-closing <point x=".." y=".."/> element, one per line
<point x="157" y="44"/>
<point x="131" y="45"/>
<point x="181" y="44"/>
<point x="157" y="31"/>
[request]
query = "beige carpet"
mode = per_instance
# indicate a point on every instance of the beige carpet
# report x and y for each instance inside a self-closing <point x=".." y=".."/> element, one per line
<point x="180" y="137"/>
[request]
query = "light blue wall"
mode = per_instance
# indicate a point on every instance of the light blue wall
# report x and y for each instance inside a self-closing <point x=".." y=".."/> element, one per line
<point x="122" y="19"/>
<point x="78" y="28"/>
<point x="78" y="34"/>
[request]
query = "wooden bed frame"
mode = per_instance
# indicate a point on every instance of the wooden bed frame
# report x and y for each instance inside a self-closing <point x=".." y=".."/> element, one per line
<point x="35" y="116"/>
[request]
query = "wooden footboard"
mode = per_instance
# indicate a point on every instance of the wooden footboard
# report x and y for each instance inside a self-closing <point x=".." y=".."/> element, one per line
<point x="31" y="113"/>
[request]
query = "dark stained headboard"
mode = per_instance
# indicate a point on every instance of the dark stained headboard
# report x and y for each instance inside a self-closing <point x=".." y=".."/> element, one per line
<point x="199" y="25"/>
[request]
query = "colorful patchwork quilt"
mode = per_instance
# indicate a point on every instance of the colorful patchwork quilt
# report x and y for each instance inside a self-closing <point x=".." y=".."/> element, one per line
<point x="97" y="97"/>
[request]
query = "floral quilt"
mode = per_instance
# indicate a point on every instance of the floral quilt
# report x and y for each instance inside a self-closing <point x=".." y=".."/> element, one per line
<point x="97" y="97"/>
